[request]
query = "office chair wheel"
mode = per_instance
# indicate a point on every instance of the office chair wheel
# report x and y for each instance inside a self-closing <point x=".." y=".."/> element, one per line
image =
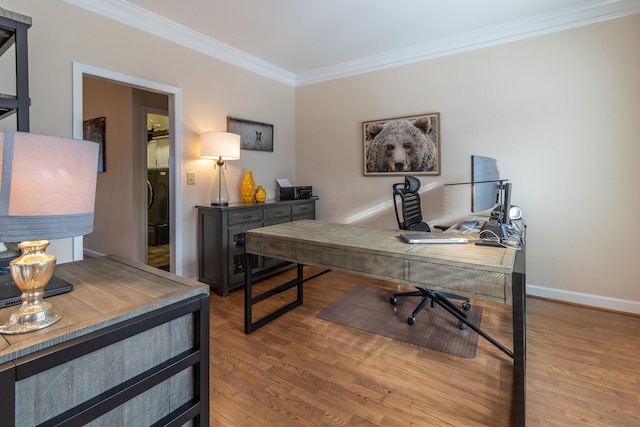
<point x="466" y="305"/>
<point x="462" y="325"/>
<point x="393" y="300"/>
<point x="411" y="320"/>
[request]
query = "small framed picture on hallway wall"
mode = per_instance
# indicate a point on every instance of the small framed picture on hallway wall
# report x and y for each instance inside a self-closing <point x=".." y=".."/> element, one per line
<point x="253" y="135"/>
<point x="95" y="130"/>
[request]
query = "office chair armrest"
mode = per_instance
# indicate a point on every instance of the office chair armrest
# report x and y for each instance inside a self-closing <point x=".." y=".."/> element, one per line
<point x="442" y="227"/>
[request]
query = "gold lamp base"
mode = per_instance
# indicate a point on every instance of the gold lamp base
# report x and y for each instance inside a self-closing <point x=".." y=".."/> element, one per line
<point x="31" y="272"/>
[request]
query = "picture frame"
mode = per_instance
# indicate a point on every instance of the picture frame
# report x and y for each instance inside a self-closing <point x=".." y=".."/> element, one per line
<point x="95" y="130"/>
<point x="407" y="145"/>
<point x="253" y="135"/>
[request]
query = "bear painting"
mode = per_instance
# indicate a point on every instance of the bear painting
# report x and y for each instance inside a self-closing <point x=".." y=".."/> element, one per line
<point x="402" y="145"/>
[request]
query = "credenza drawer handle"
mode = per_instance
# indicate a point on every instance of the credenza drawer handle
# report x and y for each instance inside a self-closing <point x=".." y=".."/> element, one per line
<point x="303" y="208"/>
<point x="246" y="216"/>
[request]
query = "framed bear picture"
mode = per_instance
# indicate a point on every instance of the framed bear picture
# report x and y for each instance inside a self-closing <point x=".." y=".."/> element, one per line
<point x="402" y="145"/>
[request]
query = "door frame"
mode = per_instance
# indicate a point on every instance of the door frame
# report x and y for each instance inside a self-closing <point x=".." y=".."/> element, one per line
<point x="175" y="148"/>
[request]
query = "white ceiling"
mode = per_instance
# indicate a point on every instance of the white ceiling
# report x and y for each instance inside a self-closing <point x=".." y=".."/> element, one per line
<point x="304" y="41"/>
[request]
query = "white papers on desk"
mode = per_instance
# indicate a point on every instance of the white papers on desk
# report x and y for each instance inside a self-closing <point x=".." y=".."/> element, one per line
<point x="283" y="182"/>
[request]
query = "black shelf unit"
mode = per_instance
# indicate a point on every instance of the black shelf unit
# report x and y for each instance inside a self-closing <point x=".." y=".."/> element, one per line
<point x="13" y="32"/>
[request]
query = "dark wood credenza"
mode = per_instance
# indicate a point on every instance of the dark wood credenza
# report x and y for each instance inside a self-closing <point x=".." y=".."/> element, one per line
<point x="132" y="348"/>
<point x="221" y="231"/>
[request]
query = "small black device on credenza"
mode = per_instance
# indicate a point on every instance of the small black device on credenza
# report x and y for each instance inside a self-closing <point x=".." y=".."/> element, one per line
<point x="294" y="192"/>
<point x="10" y="294"/>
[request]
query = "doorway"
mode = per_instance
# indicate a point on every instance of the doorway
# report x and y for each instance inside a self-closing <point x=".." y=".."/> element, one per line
<point x="158" y="188"/>
<point x="136" y="215"/>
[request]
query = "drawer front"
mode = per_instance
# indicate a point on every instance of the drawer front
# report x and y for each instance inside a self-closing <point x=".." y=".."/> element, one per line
<point x="306" y="209"/>
<point x="245" y="215"/>
<point x="277" y="212"/>
<point x="122" y="361"/>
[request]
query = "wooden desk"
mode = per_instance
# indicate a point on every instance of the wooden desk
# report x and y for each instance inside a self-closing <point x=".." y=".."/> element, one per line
<point x="496" y="274"/>
<point x="132" y="348"/>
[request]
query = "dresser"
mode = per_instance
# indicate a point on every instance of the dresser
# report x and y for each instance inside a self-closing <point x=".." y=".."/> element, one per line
<point x="221" y="233"/>
<point x="131" y="349"/>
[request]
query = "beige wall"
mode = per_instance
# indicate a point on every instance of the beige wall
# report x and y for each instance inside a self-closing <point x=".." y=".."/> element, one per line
<point x="210" y="90"/>
<point x="113" y="217"/>
<point x="559" y="112"/>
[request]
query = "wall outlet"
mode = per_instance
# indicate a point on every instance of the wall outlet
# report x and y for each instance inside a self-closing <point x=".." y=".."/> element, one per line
<point x="191" y="178"/>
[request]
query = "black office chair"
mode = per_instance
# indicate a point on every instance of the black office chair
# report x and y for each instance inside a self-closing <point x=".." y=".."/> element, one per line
<point x="411" y="219"/>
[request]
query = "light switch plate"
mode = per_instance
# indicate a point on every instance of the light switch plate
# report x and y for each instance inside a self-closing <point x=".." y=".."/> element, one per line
<point x="191" y="178"/>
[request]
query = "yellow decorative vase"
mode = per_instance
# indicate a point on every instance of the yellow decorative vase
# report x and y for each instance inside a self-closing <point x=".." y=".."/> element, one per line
<point x="261" y="194"/>
<point x="248" y="188"/>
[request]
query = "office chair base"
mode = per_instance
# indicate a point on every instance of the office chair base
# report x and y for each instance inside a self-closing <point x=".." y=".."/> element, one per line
<point x="412" y="321"/>
<point x="435" y="298"/>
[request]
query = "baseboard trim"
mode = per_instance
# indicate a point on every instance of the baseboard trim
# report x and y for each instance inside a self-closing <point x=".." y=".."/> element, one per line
<point x="88" y="253"/>
<point x="598" y="301"/>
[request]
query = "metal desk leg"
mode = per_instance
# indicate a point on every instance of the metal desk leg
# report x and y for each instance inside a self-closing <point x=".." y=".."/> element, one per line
<point x="248" y="281"/>
<point x="519" y="342"/>
<point x="250" y="300"/>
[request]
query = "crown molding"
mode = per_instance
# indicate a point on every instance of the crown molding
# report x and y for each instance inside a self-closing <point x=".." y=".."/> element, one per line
<point x="149" y="22"/>
<point x="517" y="30"/>
<point x="144" y="20"/>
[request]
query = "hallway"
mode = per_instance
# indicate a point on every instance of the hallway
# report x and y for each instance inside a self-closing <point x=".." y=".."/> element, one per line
<point x="159" y="256"/>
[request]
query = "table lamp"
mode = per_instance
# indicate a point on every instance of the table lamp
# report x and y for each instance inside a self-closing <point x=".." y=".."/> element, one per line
<point x="47" y="191"/>
<point x="219" y="146"/>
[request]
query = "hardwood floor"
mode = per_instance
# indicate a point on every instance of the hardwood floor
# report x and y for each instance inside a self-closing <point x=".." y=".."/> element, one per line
<point x="158" y="256"/>
<point x="303" y="371"/>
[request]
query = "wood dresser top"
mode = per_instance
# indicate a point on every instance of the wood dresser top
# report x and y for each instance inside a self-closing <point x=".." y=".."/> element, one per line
<point x="106" y="290"/>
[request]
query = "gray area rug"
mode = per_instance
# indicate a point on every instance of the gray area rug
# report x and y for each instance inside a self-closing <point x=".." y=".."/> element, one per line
<point x="368" y="308"/>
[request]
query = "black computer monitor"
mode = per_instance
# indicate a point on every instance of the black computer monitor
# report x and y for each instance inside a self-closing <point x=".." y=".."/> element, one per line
<point x="489" y="191"/>
<point x="485" y="183"/>
<point x="505" y="206"/>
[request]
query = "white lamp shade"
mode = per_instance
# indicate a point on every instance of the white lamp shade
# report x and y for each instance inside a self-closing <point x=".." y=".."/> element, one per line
<point x="47" y="186"/>
<point x="219" y="145"/>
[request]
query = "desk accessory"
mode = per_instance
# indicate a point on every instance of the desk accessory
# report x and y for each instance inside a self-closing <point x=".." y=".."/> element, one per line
<point x="432" y="238"/>
<point x="286" y="191"/>
<point x="10" y="293"/>
<point x="295" y="192"/>
<point x="261" y="194"/>
<point x="47" y="191"/>
<point x="248" y="188"/>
